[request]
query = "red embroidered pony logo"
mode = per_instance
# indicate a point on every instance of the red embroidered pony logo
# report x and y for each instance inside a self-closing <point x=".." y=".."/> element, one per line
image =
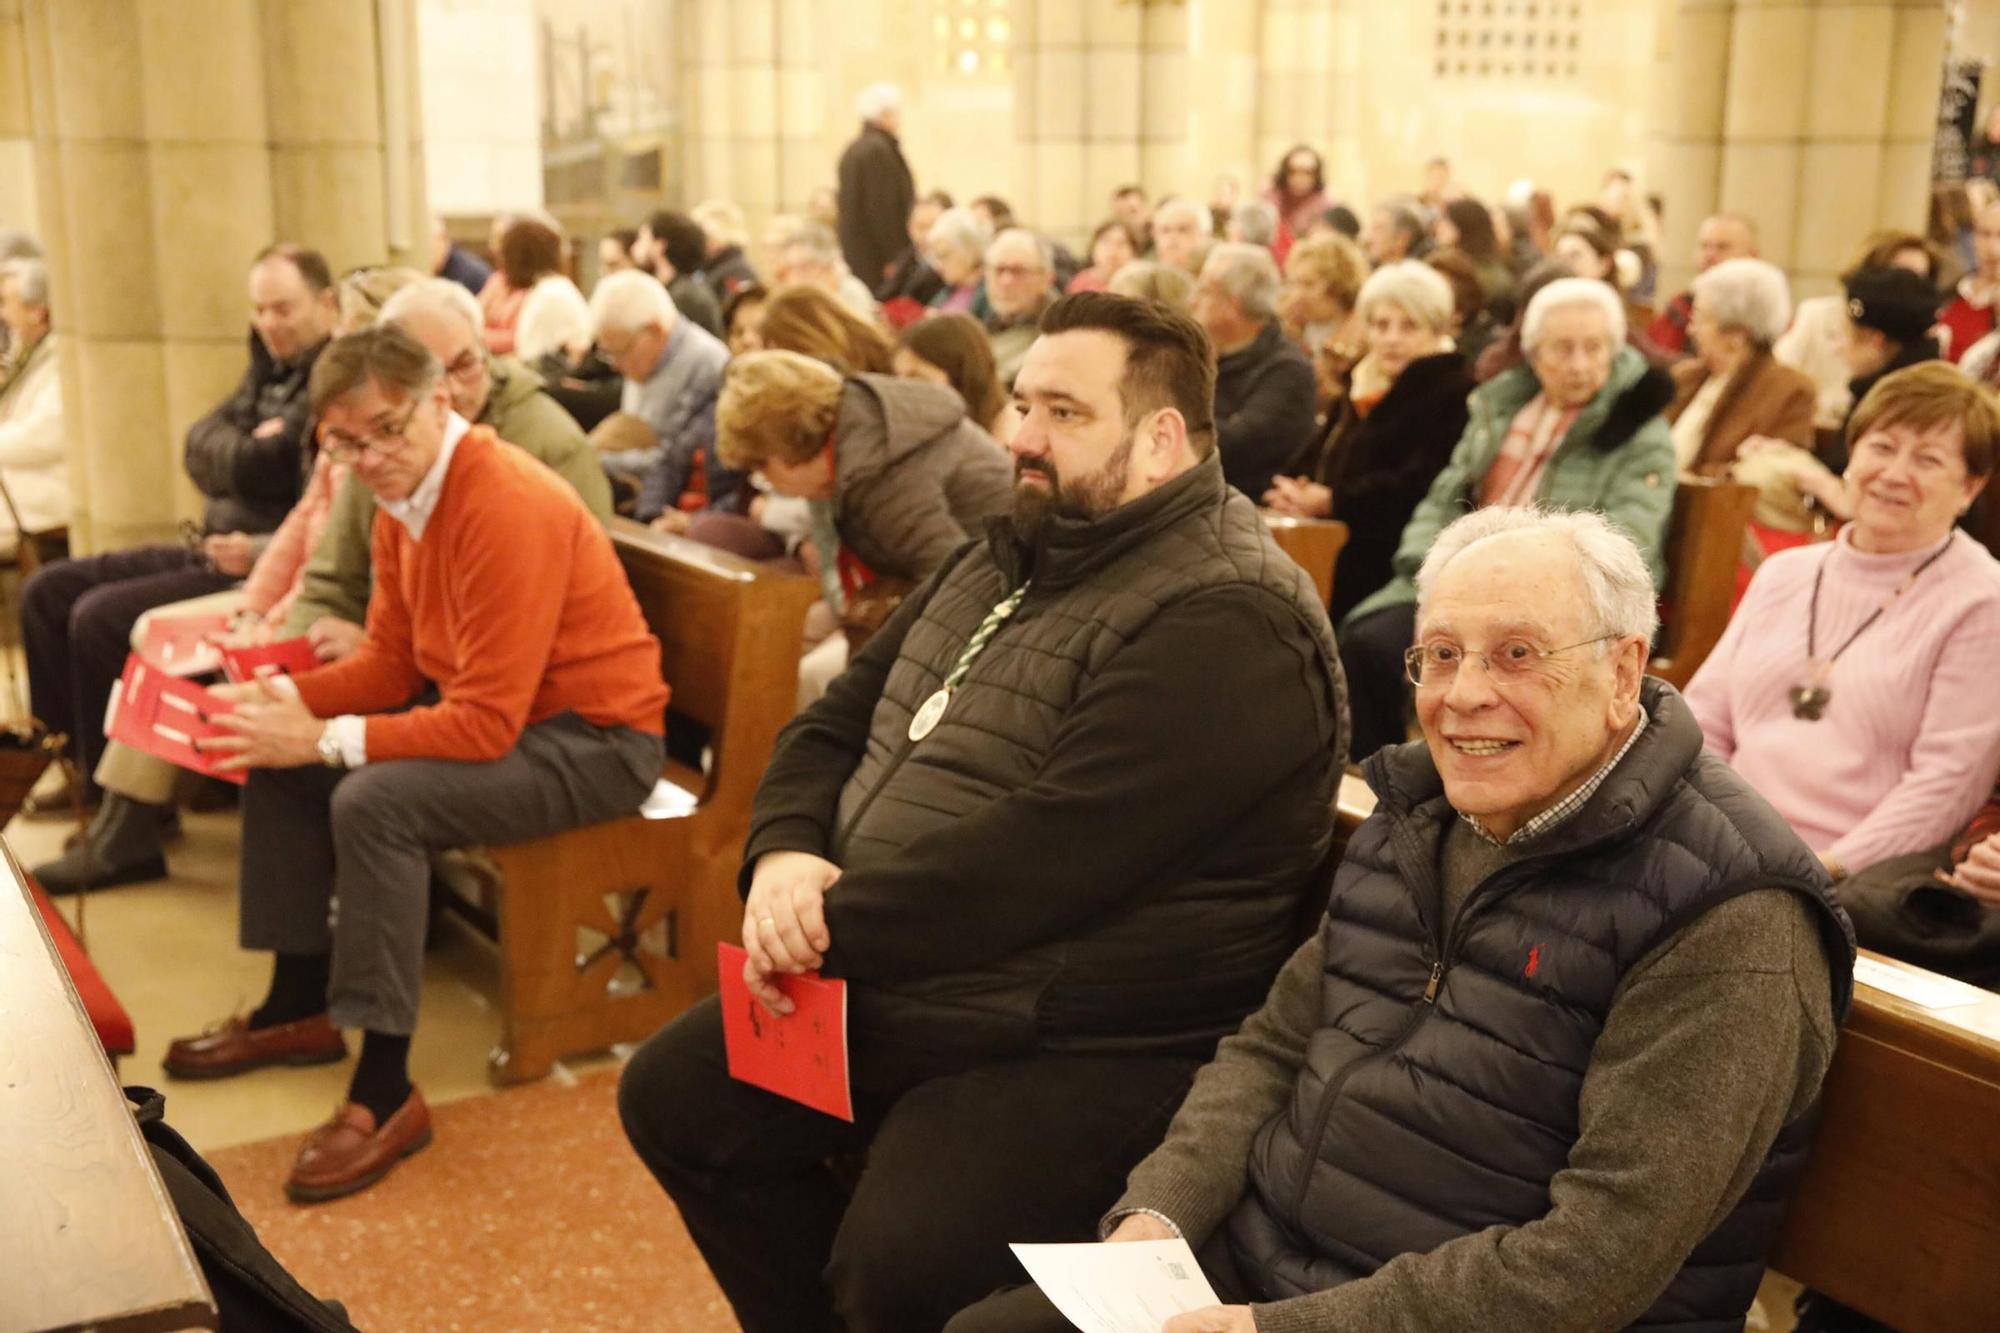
<point x="1534" y="961"/>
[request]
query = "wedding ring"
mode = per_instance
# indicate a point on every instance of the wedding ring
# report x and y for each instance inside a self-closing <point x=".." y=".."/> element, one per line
<point x="767" y="921"/>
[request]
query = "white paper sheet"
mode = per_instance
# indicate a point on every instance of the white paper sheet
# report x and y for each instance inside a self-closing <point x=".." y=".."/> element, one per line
<point x="1925" y="991"/>
<point x="1127" y="1287"/>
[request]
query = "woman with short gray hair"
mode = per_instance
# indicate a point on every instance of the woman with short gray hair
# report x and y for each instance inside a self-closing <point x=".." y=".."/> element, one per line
<point x="956" y="248"/>
<point x="1576" y="425"/>
<point x="1386" y="441"/>
<point x="1733" y="390"/>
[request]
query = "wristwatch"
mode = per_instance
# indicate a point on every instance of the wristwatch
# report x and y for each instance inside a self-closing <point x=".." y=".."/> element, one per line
<point x="328" y="746"/>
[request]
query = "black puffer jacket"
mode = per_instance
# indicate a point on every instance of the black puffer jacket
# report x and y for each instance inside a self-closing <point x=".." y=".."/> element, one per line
<point x="1440" y="1098"/>
<point x="1103" y="845"/>
<point x="252" y="482"/>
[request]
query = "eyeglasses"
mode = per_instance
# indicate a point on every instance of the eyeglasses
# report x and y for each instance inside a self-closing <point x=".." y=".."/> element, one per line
<point x="1435" y="665"/>
<point x="346" y="448"/>
<point x="1012" y="271"/>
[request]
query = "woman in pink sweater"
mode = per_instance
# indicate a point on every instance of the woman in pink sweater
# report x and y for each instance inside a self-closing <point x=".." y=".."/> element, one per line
<point x="1853" y="689"/>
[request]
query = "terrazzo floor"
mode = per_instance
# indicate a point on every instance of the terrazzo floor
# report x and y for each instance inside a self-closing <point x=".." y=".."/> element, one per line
<point x="528" y="1211"/>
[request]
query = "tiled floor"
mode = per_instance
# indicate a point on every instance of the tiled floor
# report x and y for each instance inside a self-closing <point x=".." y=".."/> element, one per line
<point x="168" y="950"/>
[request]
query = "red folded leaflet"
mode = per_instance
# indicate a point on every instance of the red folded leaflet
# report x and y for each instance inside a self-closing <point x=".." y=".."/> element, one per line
<point x="286" y="657"/>
<point x="801" y="1055"/>
<point x="179" y="644"/>
<point x="164" y="716"/>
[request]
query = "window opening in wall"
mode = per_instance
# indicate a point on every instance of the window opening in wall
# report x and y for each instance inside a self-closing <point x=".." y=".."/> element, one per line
<point x="1510" y="40"/>
<point x="972" y="40"/>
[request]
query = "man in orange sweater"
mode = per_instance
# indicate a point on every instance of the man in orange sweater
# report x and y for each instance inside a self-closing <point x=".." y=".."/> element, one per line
<point x="507" y="688"/>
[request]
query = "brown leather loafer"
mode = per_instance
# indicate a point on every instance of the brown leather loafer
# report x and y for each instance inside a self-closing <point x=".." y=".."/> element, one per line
<point x="233" y="1047"/>
<point x="348" y="1153"/>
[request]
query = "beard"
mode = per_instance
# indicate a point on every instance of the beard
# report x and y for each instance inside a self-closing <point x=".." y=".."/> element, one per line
<point x="1081" y="498"/>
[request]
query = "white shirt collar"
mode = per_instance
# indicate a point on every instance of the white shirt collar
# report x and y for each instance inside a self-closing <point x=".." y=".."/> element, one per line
<point x="414" y="511"/>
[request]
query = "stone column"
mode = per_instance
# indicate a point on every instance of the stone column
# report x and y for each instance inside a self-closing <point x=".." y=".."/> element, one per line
<point x="1297" y="85"/>
<point x="17" y="159"/>
<point x="172" y="143"/>
<point x="1817" y="162"/>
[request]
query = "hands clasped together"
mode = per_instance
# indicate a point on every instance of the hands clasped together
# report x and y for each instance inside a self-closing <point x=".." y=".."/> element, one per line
<point x="274" y="729"/>
<point x="784" y="921"/>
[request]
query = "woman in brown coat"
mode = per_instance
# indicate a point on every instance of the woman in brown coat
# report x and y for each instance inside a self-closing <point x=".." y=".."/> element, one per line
<point x="1733" y="389"/>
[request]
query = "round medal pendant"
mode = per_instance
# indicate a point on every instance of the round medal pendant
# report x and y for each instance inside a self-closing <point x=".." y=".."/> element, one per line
<point x="928" y="715"/>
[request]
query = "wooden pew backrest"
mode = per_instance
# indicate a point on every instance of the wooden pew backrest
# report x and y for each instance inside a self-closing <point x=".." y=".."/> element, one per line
<point x="1704" y="547"/>
<point x="1314" y="543"/>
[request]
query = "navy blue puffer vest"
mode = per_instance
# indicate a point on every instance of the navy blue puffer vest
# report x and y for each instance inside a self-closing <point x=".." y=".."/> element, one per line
<point x="1440" y="1093"/>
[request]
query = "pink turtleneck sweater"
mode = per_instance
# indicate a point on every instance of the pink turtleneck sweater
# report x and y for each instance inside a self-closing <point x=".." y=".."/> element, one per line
<point x="1910" y="741"/>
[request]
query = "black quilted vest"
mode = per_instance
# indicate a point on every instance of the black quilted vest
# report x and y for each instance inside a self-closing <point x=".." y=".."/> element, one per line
<point x="1195" y="952"/>
<point x="1440" y="1092"/>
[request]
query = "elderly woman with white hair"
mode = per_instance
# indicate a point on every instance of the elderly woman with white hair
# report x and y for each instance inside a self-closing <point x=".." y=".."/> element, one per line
<point x="1385" y="444"/>
<point x="34" y="465"/>
<point x="1733" y="390"/>
<point x="1577" y="425"/>
<point x="956" y="248"/>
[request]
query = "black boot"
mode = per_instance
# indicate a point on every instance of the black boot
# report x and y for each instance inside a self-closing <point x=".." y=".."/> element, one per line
<point x="122" y="847"/>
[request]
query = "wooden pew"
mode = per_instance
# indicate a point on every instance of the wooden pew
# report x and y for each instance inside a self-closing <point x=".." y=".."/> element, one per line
<point x="88" y="1236"/>
<point x="1314" y="543"/>
<point x="1704" y="546"/>
<point x="1897" y="1213"/>
<point x="608" y="931"/>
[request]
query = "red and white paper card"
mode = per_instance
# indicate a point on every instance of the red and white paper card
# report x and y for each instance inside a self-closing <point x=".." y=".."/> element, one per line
<point x="801" y="1055"/>
<point x="180" y="644"/>
<point x="286" y="657"/>
<point x="164" y="716"/>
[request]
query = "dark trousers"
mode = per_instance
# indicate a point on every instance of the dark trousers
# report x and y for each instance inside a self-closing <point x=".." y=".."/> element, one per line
<point x="1023" y="1309"/>
<point x="1378" y="693"/>
<point x="313" y="835"/>
<point x="76" y="629"/>
<point x="958" y="1165"/>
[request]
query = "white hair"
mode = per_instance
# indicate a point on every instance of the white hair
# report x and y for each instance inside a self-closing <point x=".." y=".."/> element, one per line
<point x="31" y="280"/>
<point x="1747" y="294"/>
<point x="1617" y="583"/>
<point x="1249" y="275"/>
<point x="1564" y="293"/>
<point x="1413" y="287"/>
<point x="1204" y="221"/>
<point x="816" y="239"/>
<point x="963" y="228"/>
<point x="722" y="221"/>
<point x="434" y="296"/>
<point x="1045" y="253"/>
<point x="628" y="301"/>
<point x="1256" y="221"/>
<point x="878" y="100"/>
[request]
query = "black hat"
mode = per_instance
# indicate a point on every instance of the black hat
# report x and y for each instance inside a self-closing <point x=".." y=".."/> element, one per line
<point x="1895" y="301"/>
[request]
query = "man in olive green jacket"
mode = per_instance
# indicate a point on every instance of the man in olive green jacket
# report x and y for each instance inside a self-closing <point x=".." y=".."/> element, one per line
<point x="487" y="390"/>
<point x="1577" y="425"/>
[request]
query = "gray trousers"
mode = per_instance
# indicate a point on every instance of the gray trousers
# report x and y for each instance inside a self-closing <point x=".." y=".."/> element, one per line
<point x="314" y="835"/>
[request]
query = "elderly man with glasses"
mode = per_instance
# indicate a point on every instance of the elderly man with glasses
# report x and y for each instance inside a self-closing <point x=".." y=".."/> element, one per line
<point x="1550" y="1060"/>
<point x="507" y="688"/>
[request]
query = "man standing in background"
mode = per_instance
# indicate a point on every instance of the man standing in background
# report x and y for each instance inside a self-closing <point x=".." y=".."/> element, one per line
<point x="876" y="188"/>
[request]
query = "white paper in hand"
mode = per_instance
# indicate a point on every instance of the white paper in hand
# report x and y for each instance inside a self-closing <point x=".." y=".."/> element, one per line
<point x="1123" y="1287"/>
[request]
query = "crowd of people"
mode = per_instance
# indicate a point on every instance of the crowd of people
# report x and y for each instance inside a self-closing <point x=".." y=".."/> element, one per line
<point x="1057" y="796"/>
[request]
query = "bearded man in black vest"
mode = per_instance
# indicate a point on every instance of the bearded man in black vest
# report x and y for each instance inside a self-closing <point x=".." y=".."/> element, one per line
<point x="1552" y="1058"/>
<point x="1054" y="826"/>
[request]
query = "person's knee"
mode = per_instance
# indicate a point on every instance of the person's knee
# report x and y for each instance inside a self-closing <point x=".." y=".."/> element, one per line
<point x="661" y="1095"/>
<point x="97" y="618"/>
<point x="46" y="596"/>
<point x="1016" y="1310"/>
<point x="371" y="798"/>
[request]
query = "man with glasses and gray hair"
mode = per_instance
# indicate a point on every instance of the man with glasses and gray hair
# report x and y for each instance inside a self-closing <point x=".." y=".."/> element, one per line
<point x="1264" y="389"/>
<point x="1020" y="278"/>
<point x="1551" y="1059"/>
<point x="507" y="688"/>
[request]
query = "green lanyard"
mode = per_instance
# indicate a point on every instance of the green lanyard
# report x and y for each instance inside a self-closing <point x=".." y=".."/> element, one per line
<point x="932" y="712"/>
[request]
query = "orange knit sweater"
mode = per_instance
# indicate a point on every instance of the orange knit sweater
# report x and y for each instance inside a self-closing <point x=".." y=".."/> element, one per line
<point x="514" y="605"/>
